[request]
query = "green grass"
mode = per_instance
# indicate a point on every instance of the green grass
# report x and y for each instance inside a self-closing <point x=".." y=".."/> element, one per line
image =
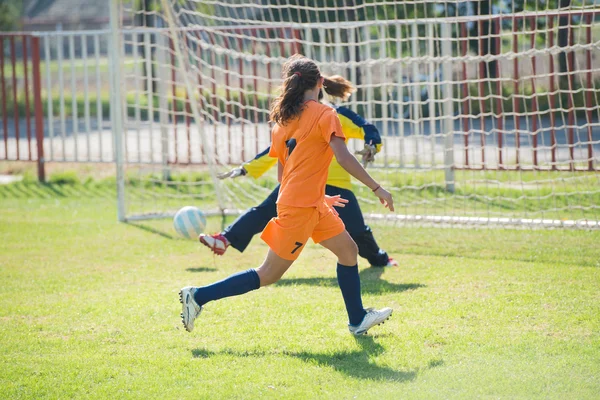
<point x="559" y="195"/>
<point x="89" y="309"/>
<point x="54" y="67"/>
<point x="556" y="195"/>
<point x="514" y="194"/>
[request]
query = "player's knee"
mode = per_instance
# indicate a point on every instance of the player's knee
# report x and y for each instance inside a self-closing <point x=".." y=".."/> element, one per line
<point x="268" y="276"/>
<point x="354" y="248"/>
<point x="350" y="255"/>
<point x="354" y="251"/>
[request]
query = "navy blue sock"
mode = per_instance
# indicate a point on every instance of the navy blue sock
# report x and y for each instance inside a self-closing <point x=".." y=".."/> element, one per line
<point x="349" y="282"/>
<point x="236" y="284"/>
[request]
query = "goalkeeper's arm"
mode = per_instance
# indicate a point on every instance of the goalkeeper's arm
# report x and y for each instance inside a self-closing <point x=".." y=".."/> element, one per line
<point x="356" y="127"/>
<point x="254" y="168"/>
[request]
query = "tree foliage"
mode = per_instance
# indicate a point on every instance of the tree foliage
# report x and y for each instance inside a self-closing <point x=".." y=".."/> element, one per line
<point x="310" y="11"/>
<point x="10" y="14"/>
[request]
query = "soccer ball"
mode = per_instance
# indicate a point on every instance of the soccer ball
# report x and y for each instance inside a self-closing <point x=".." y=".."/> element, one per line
<point x="189" y="222"/>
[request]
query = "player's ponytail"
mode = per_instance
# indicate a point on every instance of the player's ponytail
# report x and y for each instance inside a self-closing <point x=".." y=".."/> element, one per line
<point x="289" y="102"/>
<point x="337" y="86"/>
<point x="299" y="75"/>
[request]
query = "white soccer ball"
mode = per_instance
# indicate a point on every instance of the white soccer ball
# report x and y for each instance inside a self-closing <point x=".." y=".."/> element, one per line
<point x="189" y="222"/>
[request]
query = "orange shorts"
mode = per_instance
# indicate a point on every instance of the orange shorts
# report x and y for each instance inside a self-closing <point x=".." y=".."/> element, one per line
<point x="288" y="233"/>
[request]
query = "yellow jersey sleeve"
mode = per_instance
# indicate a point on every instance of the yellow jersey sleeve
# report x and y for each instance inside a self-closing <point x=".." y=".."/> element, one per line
<point x="350" y="129"/>
<point x="260" y="164"/>
<point x="356" y="127"/>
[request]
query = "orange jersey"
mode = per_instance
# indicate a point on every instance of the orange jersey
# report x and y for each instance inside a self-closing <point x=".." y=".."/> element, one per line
<point x="305" y="164"/>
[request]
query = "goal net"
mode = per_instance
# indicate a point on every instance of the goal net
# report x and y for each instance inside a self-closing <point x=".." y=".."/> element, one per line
<point x="487" y="110"/>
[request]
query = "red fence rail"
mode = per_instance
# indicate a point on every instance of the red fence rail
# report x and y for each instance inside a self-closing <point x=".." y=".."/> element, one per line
<point x="21" y="50"/>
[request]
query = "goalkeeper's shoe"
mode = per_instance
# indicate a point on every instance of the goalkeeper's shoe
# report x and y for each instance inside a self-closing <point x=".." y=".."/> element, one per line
<point x="372" y="318"/>
<point x="216" y="242"/>
<point x="190" y="310"/>
<point x="390" y="263"/>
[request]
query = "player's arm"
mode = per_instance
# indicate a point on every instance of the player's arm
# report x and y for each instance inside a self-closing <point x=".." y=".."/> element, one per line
<point x="356" y="127"/>
<point x="260" y="164"/>
<point x="350" y="128"/>
<point x="372" y="136"/>
<point x="351" y="164"/>
<point x="255" y="168"/>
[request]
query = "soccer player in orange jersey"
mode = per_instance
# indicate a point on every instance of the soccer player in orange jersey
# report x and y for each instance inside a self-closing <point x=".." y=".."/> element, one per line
<point x="254" y="220"/>
<point x="305" y="137"/>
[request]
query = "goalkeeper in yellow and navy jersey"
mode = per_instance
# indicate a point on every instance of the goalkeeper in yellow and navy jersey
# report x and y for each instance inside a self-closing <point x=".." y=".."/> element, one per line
<point x="253" y="221"/>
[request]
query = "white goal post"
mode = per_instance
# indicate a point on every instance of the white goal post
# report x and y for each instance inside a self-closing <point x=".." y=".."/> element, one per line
<point x="488" y="111"/>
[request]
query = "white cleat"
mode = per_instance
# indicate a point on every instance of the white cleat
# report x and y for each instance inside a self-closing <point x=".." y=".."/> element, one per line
<point x="373" y="317"/>
<point x="190" y="309"/>
<point x="392" y="263"/>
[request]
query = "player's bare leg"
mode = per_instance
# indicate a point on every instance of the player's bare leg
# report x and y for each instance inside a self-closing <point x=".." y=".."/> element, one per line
<point x="343" y="247"/>
<point x="273" y="268"/>
<point x="193" y="298"/>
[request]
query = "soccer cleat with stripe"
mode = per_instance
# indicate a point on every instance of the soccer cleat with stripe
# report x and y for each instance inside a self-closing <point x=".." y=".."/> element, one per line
<point x="190" y="310"/>
<point x="216" y="242"/>
<point x="373" y="317"/>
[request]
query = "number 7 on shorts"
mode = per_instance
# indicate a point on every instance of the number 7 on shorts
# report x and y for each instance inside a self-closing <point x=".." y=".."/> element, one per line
<point x="298" y="245"/>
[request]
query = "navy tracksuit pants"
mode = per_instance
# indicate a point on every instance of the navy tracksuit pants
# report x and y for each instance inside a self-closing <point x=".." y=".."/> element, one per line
<point x="254" y="220"/>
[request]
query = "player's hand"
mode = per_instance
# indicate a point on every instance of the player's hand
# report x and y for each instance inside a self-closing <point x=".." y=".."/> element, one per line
<point x="335" y="201"/>
<point x="367" y="154"/>
<point x="385" y="198"/>
<point x="234" y="173"/>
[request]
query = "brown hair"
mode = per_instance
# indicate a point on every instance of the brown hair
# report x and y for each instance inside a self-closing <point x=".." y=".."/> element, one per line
<point x="299" y="75"/>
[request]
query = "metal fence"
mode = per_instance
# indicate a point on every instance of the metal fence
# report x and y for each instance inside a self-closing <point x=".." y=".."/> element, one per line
<point x="55" y="97"/>
<point x="20" y="94"/>
<point x="55" y="93"/>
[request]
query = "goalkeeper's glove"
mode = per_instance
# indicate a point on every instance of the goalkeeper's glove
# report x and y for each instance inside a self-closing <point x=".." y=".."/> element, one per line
<point x="234" y="173"/>
<point x="368" y="154"/>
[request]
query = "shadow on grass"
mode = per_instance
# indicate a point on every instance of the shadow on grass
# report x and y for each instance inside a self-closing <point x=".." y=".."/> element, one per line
<point x="152" y="230"/>
<point x="49" y="190"/>
<point x="201" y="269"/>
<point x="370" y="281"/>
<point x="358" y="363"/>
<point x="53" y="189"/>
<point x="20" y="190"/>
<point x="355" y="363"/>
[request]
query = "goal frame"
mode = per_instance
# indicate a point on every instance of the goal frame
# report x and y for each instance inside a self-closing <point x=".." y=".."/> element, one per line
<point x="447" y="87"/>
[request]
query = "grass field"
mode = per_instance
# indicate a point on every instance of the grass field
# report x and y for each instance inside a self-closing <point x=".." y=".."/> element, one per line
<point x="89" y="309"/>
<point x="559" y="195"/>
